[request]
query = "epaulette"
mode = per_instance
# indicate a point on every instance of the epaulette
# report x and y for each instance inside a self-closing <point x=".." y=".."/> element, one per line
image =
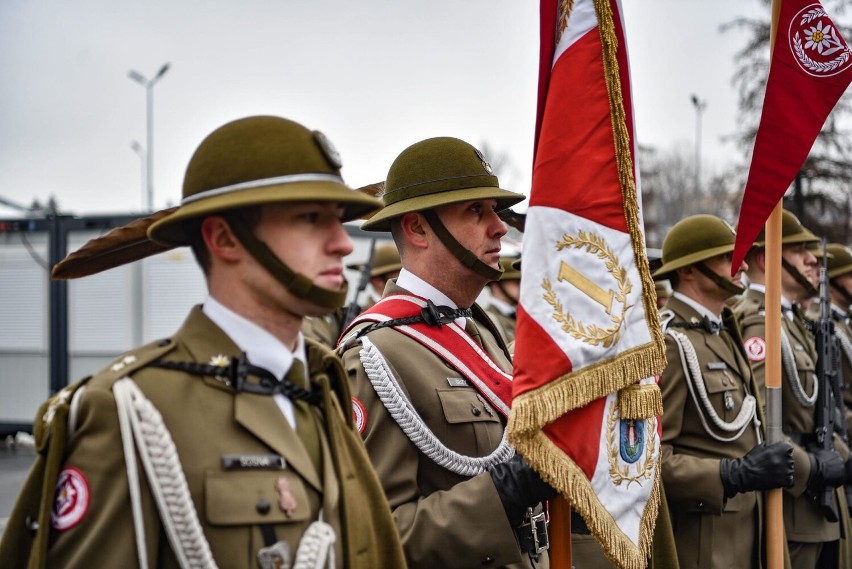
<point x="130" y="362"/>
<point x="666" y="316"/>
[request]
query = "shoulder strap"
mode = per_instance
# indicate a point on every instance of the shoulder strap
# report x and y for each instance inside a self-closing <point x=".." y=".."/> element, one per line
<point x="25" y="537"/>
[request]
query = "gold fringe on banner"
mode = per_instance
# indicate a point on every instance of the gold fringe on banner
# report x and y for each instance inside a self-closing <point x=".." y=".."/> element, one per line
<point x="640" y="401"/>
<point x="534" y="409"/>
<point x="564" y="475"/>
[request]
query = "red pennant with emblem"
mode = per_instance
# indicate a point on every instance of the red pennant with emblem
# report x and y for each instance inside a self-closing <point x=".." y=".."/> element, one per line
<point x="810" y="71"/>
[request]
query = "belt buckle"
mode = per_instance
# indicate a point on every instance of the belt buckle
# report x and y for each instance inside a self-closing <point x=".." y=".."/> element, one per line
<point x="538" y="531"/>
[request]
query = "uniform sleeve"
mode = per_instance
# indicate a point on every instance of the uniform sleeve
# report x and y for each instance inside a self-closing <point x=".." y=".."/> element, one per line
<point x="435" y="526"/>
<point x="96" y="529"/>
<point x="691" y="482"/>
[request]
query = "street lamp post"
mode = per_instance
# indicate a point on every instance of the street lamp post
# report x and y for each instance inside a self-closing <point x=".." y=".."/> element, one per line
<point x="149" y="151"/>
<point x="699" y="109"/>
<point x="137" y="148"/>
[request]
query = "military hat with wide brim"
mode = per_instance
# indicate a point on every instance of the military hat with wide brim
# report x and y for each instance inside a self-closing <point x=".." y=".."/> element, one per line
<point x="435" y="172"/>
<point x="840" y="261"/>
<point x="792" y="232"/>
<point x="386" y="260"/>
<point x="694" y="239"/>
<point x="511" y="268"/>
<point x="256" y="161"/>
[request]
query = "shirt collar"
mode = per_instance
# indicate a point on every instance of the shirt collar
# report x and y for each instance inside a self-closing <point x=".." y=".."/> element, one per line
<point x="786" y="305"/>
<point x="502" y="306"/>
<point x="699" y="308"/>
<point x="262" y="348"/>
<point x="417" y="286"/>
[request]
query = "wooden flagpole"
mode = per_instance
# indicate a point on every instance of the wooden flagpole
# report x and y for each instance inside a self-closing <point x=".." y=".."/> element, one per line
<point x="560" y="533"/>
<point x="774" y="503"/>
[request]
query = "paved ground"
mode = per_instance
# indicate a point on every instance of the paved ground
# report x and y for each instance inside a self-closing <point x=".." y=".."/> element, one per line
<point x="15" y="463"/>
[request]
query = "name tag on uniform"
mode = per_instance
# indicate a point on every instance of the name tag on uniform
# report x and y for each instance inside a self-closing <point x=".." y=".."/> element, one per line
<point x="253" y="462"/>
<point x="717" y="366"/>
<point x="458" y="382"/>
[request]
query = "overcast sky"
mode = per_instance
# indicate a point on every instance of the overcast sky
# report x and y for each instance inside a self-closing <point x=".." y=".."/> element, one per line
<point x="374" y="75"/>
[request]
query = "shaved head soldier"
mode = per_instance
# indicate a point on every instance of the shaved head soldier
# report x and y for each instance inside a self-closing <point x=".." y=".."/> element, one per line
<point x="430" y="372"/>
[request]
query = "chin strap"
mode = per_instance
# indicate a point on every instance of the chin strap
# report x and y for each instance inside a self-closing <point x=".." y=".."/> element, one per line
<point x="719" y="280"/>
<point x="298" y="284"/>
<point x="843" y="292"/>
<point x="810" y="289"/>
<point x="467" y="257"/>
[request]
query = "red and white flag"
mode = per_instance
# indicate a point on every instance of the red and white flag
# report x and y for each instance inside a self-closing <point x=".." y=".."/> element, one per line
<point x="588" y="345"/>
<point x="810" y="71"/>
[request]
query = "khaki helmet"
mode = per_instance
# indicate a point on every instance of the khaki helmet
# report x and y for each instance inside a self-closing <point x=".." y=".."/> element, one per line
<point x="440" y="171"/>
<point x="792" y="232"/>
<point x="435" y="172"/>
<point x="694" y="239"/>
<point x="259" y="160"/>
<point x="839" y="260"/>
<point x="386" y="260"/>
<point x="511" y="268"/>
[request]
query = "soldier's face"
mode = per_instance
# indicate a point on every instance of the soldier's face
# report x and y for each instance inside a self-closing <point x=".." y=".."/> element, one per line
<point x="721" y="265"/>
<point x="309" y="238"/>
<point x="804" y="261"/>
<point x="477" y="227"/>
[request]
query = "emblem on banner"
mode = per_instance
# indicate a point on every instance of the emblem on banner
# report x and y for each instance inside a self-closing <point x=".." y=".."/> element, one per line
<point x="627" y="440"/>
<point x="816" y="43"/>
<point x="607" y="331"/>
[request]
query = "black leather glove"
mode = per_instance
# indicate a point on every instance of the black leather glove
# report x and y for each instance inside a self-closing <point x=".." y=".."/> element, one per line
<point x="763" y="468"/>
<point x="827" y="469"/>
<point x="519" y="487"/>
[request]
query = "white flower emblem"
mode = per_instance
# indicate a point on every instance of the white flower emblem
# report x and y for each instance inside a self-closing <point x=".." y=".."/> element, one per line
<point x="220" y="360"/>
<point x="822" y="39"/>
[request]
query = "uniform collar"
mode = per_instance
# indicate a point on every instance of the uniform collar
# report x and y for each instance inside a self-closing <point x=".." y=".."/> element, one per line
<point x="417" y="286"/>
<point x="502" y="306"/>
<point x="262" y="348"/>
<point x="786" y="305"/>
<point x="699" y="308"/>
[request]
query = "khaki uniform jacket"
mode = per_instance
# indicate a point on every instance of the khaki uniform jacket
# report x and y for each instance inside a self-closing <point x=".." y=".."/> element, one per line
<point x="324" y="329"/>
<point x="506" y="324"/>
<point x="710" y="531"/>
<point x="803" y="521"/>
<point x="446" y="520"/>
<point x="841" y="325"/>
<point x="207" y="421"/>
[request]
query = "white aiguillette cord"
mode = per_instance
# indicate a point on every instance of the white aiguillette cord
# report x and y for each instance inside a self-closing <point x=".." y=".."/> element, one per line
<point x="141" y="423"/>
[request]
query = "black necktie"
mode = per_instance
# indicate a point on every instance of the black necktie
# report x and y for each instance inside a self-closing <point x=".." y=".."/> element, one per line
<point x="306" y="426"/>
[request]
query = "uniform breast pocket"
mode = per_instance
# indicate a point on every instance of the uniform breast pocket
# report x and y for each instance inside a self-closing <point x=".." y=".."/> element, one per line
<point x="462" y="405"/>
<point x="723" y="392"/>
<point x="255" y="497"/>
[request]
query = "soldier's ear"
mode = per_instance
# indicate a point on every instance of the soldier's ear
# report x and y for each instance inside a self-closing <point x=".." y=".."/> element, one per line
<point x="415" y="229"/>
<point x="220" y="239"/>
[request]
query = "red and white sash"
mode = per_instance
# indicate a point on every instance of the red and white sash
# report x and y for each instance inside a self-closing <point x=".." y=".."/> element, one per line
<point x="450" y="342"/>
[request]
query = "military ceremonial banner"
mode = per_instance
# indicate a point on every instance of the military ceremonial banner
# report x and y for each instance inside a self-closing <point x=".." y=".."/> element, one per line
<point x="810" y="71"/>
<point x="588" y="332"/>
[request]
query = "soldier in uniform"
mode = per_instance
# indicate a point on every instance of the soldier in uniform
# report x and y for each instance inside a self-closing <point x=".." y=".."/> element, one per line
<point x="505" y="294"/>
<point x="226" y="444"/>
<point x="715" y="463"/>
<point x="806" y="527"/>
<point x="431" y="374"/>
<point x="840" y="279"/>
